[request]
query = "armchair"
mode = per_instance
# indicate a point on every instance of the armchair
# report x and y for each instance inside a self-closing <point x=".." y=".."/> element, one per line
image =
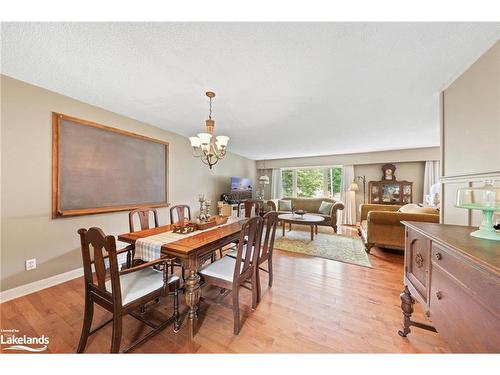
<point x="381" y="224"/>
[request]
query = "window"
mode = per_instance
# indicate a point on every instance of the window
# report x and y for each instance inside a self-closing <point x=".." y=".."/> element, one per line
<point x="311" y="182"/>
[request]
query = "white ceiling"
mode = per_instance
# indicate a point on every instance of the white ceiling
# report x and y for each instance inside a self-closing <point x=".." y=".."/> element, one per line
<point x="283" y="89"/>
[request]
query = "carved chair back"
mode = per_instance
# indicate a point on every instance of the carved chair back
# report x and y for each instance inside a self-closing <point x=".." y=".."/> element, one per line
<point x="96" y="247"/>
<point x="250" y="206"/>
<point x="180" y="210"/>
<point x="272" y="206"/>
<point x="270" y="220"/>
<point x="251" y="233"/>
<point x="143" y="214"/>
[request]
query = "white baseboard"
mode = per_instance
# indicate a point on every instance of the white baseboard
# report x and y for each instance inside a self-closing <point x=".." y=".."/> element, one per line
<point x="39" y="285"/>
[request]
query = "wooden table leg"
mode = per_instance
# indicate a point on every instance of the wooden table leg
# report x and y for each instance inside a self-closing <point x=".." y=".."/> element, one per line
<point x="407" y="302"/>
<point x="289" y="226"/>
<point x="312" y="232"/>
<point x="192" y="297"/>
<point x="283" y="228"/>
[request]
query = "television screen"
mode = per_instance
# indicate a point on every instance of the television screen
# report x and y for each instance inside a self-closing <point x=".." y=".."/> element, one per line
<point x="241" y="184"/>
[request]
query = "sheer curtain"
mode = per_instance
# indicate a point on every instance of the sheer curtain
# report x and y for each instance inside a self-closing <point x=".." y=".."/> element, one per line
<point x="348" y="214"/>
<point x="431" y="176"/>
<point x="276" y="184"/>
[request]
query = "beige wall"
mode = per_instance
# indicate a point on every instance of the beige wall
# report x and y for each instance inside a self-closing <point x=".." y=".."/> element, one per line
<point x="407" y="155"/>
<point x="26" y="227"/>
<point x="470" y="132"/>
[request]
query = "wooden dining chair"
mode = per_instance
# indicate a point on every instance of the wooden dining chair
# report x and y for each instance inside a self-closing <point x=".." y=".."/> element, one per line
<point x="124" y="292"/>
<point x="249" y="206"/>
<point x="180" y="211"/>
<point x="144" y="214"/>
<point x="230" y="274"/>
<point x="270" y="221"/>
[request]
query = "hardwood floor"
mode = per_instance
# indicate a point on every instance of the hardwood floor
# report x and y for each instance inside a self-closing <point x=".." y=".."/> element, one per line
<point x="315" y="306"/>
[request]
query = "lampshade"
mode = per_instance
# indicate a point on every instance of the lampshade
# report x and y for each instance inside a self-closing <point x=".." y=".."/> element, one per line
<point x="204" y="138"/>
<point x="264" y="180"/>
<point x="195" y="141"/>
<point x="354" y="186"/>
<point x="222" y="140"/>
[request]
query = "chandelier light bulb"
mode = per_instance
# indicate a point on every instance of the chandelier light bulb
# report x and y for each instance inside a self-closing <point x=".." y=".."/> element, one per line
<point x="204" y="138"/>
<point x="222" y="141"/>
<point x="195" y="142"/>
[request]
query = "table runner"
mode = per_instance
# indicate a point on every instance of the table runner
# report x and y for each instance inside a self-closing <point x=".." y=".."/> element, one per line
<point x="149" y="248"/>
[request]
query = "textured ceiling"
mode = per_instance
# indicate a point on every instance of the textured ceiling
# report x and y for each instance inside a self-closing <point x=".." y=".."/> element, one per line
<point x="283" y="89"/>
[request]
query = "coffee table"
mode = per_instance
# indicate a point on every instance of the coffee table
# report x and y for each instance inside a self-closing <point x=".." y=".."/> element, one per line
<point x="307" y="219"/>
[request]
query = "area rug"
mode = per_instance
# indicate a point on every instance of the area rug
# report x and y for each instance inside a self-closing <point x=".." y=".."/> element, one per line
<point x="330" y="246"/>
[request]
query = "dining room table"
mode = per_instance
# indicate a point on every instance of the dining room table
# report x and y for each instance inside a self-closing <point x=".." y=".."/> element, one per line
<point x="192" y="251"/>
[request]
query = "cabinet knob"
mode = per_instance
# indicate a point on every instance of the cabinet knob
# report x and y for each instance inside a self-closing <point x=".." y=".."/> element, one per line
<point x="439" y="256"/>
<point x="439" y="295"/>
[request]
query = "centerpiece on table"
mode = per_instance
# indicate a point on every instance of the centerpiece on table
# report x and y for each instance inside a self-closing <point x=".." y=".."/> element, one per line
<point x="299" y="213"/>
<point x="205" y="220"/>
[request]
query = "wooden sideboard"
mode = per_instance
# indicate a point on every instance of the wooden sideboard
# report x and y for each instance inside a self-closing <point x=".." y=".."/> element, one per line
<point x="456" y="278"/>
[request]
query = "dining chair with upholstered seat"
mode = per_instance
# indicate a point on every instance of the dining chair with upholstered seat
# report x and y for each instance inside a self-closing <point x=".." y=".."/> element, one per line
<point x="250" y="206"/>
<point x="124" y="292"/>
<point x="231" y="274"/>
<point x="182" y="211"/>
<point x="144" y="214"/>
<point x="270" y="221"/>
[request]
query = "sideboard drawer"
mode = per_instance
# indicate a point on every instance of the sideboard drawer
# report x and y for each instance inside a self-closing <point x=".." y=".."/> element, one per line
<point x="482" y="285"/>
<point x="417" y="261"/>
<point x="461" y="319"/>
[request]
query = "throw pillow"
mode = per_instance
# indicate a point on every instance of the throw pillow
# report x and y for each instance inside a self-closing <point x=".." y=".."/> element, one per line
<point x="325" y="208"/>
<point x="284" y="205"/>
<point x="408" y="208"/>
<point x="413" y="208"/>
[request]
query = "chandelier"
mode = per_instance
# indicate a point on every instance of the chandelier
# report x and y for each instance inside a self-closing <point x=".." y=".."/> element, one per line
<point x="205" y="147"/>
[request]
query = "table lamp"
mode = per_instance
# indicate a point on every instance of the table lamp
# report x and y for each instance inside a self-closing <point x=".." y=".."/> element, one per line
<point x="486" y="199"/>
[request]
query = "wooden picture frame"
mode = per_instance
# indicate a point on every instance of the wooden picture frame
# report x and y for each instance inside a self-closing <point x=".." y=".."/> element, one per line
<point x="57" y="210"/>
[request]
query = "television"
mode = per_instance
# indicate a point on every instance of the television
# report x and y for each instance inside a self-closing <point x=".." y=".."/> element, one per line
<point x="240" y="184"/>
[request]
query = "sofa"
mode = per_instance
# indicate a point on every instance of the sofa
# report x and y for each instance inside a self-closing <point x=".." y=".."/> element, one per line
<point x="311" y="206"/>
<point x="380" y="224"/>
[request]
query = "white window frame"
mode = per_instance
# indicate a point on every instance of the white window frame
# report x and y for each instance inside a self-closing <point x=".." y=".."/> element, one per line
<point x="325" y="180"/>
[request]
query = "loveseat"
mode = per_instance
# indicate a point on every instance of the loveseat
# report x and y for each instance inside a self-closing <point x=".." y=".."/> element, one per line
<point x="381" y="224"/>
<point x="311" y="206"/>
